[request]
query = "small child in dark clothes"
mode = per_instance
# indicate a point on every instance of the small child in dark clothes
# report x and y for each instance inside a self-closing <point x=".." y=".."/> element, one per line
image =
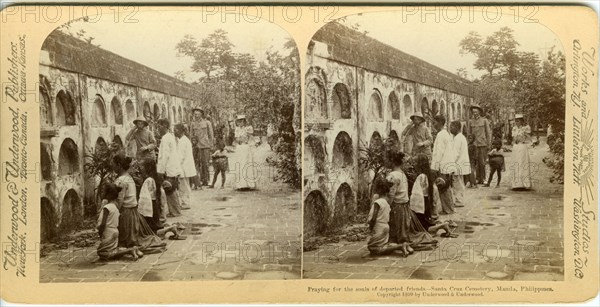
<point x="496" y="161"/>
<point x="220" y="164"/>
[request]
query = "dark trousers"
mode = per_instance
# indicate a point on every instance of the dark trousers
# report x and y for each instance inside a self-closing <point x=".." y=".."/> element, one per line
<point x="482" y="152"/>
<point x="202" y="160"/>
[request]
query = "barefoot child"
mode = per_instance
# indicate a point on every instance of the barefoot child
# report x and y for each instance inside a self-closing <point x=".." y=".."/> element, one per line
<point x="496" y="161"/>
<point x="108" y="227"/>
<point x="378" y="221"/>
<point x="220" y="164"/>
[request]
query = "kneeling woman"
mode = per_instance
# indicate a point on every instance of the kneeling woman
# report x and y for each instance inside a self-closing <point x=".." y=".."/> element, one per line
<point x="378" y="220"/>
<point x="108" y="227"/>
<point x="133" y="228"/>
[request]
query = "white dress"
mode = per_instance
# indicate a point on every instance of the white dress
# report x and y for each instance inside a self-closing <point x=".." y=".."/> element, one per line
<point x="521" y="178"/>
<point x="247" y="171"/>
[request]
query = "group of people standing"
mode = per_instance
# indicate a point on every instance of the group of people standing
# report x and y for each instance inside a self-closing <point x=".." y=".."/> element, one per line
<point x="155" y="180"/>
<point x="429" y="176"/>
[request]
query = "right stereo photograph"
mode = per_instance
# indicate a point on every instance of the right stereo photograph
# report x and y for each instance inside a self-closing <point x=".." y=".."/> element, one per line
<point x="433" y="150"/>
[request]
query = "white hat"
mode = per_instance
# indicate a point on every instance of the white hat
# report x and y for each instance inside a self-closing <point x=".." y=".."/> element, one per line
<point x="241" y="117"/>
<point x="417" y="114"/>
<point x="517" y="116"/>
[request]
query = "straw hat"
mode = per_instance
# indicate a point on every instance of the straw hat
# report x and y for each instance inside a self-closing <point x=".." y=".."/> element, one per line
<point x="197" y="109"/>
<point x="417" y="114"/>
<point x="140" y="119"/>
<point x="167" y="186"/>
<point x="239" y="117"/>
<point x="519" y="116"/>
<point x="476" y="106"/>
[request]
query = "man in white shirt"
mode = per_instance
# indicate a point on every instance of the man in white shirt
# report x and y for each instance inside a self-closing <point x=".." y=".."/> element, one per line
<point x="168" y="166"/>
<point x="443" y="163"/>
<point x="188" y="168"/>
<point x="463" y="166"/>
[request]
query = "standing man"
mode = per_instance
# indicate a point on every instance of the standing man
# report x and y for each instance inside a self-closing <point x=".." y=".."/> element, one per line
<point x="417" y="137"/>
<point x="143" y="139"/>
<point x="169" y="167"/>
<point x="202" y="136"/>
<point x="188" y="169"/>
<point x="463" y="165"/>
<point x="443" y="163"/>
<point x="479" y="127"/>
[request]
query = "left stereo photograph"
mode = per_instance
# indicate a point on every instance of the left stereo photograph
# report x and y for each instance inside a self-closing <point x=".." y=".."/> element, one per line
<point x="169" y="150"/>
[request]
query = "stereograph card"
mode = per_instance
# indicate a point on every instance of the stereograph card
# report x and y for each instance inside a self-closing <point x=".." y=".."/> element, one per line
<point x="294" y="153"/>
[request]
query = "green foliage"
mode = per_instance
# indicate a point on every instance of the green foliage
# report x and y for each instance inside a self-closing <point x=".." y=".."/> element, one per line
<point x="267" y="92"/>
<point x="98" y="165"/>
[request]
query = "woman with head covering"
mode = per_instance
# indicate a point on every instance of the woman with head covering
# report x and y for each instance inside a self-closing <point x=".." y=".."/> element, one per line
<point x="244" y="138"/>
<point x="521" y="133"/>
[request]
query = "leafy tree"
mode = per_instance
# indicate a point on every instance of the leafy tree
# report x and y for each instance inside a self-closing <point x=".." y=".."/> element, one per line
<point x="495" y="54"/>
<point x="212" y="55"/>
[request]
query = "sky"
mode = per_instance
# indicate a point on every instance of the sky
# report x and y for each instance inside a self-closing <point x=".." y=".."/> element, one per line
<point x="438" y="42"/>
<point x="152" y="36"/>
<point x="152" y="39"/>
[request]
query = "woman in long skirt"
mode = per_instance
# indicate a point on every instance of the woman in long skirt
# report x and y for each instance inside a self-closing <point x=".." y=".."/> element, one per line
<point x="245" y="147"/>
<point x="521" y="179"/>
<point x="133" y="228"/>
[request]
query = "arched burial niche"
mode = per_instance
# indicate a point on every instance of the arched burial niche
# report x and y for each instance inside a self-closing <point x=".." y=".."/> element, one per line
<point x="100" y="145"/>
<point x="147" y="111"/>
<point x="393" y="106"/>
<point x="130" y="109"/>
<point x="443" y="110"/>
<point x="316" y="102"/>
<point x="45" y="162"/>
<point x="98" y="112"/>
<point x="117" y="111"/>
<point x="425" y="107"/>
<point x="459" y="115"/>
<point x="65" y="109"/>
<point x="342" y="107"/>
<point x="163" y="112"/>
<point x="68" y="158"/>
<point x="316" y="214"/>
<point x="343" y="151"/>
<point x="46" y="118"/>
<point x="375" y="106"/>
<point x="407" y="107"/>
<point x="47" y="220"/>
<point x="344" y="206"/>
<point x="156" y="111"/>
<point x="117" y="144"/>
<point x="314" y="155"/>
<point x="394" y="140"/>
<point x="179" y="115"/>
<point x="71" y="211"/>
<point x="434" y="108"/>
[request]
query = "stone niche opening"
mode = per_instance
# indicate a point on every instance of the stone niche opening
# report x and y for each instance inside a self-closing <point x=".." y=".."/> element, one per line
<point x="314" y="155"/>
<point x="100" y="146"/>
<point x="407" y="107"/>
<point x="147" y="111"/>
<point x="130" y="110"/>
<point x="394" y="106"/>
<point x="71" y="211"/>
<point x="156" y="111"/>
<point x="459" y="114"/>
<point x="316" y="102"/>
<point x="46" y="118"/>
<point x="375" y="106"/>
<point x="65" y="109"/>
<point x="180" y="115"/>
<point x="342" y="107"/>
<point x="117" y="111"/>
<point x="117" y="144"/>
<point x="68" y="158"/>
<point x="452" y="115"/>
<point x="316" y="214"/>
<point x="98" y="112"/>
<point x="45" y="161"/>
<point x="344" y="206"/>
<point x="173" y="115"/>
<point x="343" y="151"/>
<point x="434" y="108"/>
<point x="425" y="107"/>
<point x="47" y="220"/>
<point x="394" y="141"/>
<point x="443" y="110"/>
<point x="163" y="112"/>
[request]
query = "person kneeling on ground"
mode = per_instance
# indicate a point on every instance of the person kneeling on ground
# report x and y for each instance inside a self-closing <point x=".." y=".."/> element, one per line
<point x="108" y="227"/>
<point x="378" y="221"/>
